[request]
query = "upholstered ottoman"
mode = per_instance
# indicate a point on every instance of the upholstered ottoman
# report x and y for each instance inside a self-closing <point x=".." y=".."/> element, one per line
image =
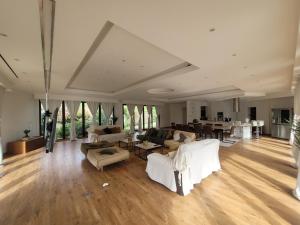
<point x="100" y="160"/>
<point x="85" y="147"/>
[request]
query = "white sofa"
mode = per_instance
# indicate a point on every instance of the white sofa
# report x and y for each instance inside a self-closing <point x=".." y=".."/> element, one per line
<point x="193" y="161"/>
<point x="93" y="137"/>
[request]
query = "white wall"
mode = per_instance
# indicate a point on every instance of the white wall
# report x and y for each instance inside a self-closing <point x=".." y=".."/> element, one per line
<point x="264" y="109"/>
<point x="221" y="106"/>
<point x="20" y="112"/>
<point x="164" y="115"/>
<point x="194" y="109"/>
<point x="176" y="112"/>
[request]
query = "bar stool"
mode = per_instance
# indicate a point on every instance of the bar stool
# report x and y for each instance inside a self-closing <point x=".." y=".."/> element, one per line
<point x="255" y="124"/>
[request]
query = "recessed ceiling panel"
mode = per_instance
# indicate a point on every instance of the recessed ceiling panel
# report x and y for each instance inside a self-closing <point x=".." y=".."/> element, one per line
<point x="119" y="61"/>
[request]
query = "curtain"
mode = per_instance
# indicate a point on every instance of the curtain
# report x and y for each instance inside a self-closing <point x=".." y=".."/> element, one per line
<point x="53" y="104"/>
<point x="131" y="114"/>
<point x="94" y="106"/>
<point x="2" y="93"/>
<point x="73" y="109"/>
<point x="140" y="110"/>
<point x="149" y="109"/>
<point x="107" y="109"/>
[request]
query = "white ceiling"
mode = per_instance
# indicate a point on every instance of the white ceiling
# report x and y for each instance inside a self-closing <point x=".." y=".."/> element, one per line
<point x="252" y="49"/>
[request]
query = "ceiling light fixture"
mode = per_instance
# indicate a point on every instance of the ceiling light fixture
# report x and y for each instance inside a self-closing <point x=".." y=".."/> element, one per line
<point x="3" y="35"/>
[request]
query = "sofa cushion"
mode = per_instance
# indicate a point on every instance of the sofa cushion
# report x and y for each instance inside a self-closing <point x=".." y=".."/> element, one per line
<point x="115" y="130"/>
<point x="107" y="130"/>
<point x="99" y="132"/>
<point x="176" y="136"/>
<point x="182" y="137"/>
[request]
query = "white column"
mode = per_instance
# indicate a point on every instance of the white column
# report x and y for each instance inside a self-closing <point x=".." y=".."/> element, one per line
<point x="2" y="92"/>
<point x="295" y="149"/>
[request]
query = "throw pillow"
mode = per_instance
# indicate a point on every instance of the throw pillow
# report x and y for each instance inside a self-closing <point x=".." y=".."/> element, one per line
<point x="115" y="130"/>
<point x="108" y="151"/>
<point x="188" y="140"/>
<point x="169" y="134"/>
<point x="176" y="137"/>
<point x="107" y="130"/>
<point x="160" y="133"/>
<point x="182" y="137"/>
<point x="99" y="132"/>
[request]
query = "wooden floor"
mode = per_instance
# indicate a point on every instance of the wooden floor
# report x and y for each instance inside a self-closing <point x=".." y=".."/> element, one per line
<point x="254" y="187"/>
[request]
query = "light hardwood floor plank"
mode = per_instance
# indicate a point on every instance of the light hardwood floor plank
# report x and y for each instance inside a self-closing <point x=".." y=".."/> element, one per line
<point x="254" y="187"/>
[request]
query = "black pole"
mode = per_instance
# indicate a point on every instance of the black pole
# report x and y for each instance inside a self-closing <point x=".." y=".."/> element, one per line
<point x="83" y="120"/>
<point x="99" y="107"/>
<point x="64" y="119"/>
<point x="40" y="118"/>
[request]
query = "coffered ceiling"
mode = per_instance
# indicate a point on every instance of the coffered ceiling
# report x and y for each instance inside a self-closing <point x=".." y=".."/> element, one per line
<point x="121" y="49"/>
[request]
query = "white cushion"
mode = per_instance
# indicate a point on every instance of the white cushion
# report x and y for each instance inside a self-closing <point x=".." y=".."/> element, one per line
<point x="188" y="140"/>
<point x="176" y="136"/>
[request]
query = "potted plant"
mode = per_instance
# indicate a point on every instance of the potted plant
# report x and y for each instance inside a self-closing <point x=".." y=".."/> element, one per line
<point x="296" y="152"/>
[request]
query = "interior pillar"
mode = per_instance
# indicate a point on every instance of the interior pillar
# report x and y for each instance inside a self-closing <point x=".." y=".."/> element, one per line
<point x="296" y="151"/>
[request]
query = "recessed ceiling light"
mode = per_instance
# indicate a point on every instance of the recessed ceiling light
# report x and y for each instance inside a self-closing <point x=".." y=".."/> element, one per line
<point x="212" y="29"/>
<point x="156" y="91"/>
<point x="3" y="35"/>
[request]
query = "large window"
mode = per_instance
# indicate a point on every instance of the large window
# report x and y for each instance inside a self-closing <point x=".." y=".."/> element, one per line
<point x="84" y="120"/>
<point x="154" y="117"/>
<point x="146" y="117"/>
<point x="88" y="117"/>
<point x="126" y="118"/>
<point x="59" y="124"/>
<point x="79" y="121"/>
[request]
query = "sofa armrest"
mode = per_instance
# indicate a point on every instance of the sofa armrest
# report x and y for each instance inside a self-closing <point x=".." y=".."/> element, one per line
<point x="159" y="159"/>
<point x="172" y="154"/>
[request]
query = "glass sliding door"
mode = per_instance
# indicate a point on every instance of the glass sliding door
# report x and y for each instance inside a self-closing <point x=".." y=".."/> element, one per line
<point x="59" y="124"/>
<point x="88" y="117"/>
<point x="146" y="117"/>
<point x="126" y="118"/>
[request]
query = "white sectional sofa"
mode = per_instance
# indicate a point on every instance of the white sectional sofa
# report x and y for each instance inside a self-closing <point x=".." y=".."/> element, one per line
<point x="94" y="137"/>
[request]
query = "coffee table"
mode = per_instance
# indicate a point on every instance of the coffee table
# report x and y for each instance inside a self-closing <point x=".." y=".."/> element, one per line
<point x="129" y="142"/>
<point x="145" y="149"/>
